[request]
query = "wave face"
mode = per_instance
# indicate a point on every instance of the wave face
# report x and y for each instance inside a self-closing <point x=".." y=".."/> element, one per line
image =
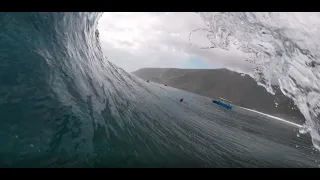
<point x="281" y="45"/>
<point x="62" y="104"/>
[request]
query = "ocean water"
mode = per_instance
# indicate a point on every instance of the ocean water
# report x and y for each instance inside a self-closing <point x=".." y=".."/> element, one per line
<point x="280" y="45"/>
<point x="62" y="104"/>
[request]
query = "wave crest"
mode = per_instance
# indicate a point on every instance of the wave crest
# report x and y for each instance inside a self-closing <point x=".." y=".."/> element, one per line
<point x="284" y="45"/>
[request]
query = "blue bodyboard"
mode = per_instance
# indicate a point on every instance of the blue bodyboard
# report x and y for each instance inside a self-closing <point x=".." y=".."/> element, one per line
<point x="222" y="104"/>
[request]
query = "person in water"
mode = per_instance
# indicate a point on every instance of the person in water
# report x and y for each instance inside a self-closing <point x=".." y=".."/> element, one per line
<point x="181" y="99"/>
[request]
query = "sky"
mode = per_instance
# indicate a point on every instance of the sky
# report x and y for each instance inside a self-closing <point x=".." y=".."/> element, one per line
<point x="134" y="40"/>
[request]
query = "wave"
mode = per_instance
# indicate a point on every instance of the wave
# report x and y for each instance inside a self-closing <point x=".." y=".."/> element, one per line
<point x="281" y="45"/>
<point x="63" y="104"/>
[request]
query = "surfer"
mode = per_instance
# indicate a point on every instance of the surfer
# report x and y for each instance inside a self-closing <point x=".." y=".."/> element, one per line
<point x="181" y="100"/>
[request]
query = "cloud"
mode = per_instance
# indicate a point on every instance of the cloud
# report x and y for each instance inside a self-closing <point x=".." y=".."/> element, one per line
<point x="149" y="39"/>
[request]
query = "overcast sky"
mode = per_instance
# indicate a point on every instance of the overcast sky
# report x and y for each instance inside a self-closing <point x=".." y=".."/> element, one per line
<point x="156" y="39"/>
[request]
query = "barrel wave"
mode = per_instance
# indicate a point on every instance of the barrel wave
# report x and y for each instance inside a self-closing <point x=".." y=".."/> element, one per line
<point x="62" y="104"/>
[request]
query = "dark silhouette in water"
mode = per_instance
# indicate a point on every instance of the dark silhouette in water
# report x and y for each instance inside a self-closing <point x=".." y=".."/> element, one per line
<point x="181" y="100"/>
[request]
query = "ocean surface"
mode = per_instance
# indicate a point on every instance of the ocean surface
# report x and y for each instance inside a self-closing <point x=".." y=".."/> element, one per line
<point x="62" y="104"/>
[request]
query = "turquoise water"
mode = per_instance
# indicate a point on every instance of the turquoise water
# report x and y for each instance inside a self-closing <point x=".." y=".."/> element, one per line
<point x="62" y="104"/>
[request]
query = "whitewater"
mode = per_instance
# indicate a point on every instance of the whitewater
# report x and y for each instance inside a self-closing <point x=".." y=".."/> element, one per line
<point x="281" y="45"/>
<point x="63" y="104"/>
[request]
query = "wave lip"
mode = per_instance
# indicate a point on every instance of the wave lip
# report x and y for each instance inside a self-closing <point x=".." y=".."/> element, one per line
<point x="282" y="45"/>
